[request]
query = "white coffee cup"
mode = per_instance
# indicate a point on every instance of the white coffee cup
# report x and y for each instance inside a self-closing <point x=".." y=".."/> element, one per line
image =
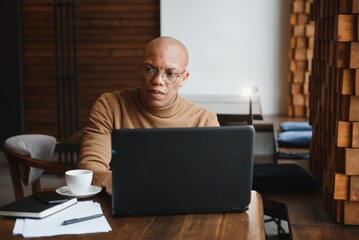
<point x="79" y="180"/>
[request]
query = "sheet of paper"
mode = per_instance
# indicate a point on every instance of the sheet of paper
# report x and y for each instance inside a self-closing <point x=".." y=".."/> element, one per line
<point x="51" y="226"/>
<point x="19" y="226"/>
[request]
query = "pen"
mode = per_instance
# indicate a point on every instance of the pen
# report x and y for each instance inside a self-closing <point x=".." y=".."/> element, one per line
<point x="76" y="220"/>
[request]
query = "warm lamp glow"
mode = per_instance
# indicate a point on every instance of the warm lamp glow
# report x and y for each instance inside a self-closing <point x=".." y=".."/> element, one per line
<point x="248" y="91"/>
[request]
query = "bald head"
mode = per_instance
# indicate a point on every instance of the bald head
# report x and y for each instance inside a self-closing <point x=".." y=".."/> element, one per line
<point x="163" y="58"/>
<point x="167" y="47"/>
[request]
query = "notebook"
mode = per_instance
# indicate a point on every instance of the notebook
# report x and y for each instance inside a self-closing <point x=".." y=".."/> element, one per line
<point x="32" y="207"/>
<point x="181" y="170"/>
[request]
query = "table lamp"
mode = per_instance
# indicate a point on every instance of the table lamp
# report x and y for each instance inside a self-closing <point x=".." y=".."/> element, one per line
<point x="249" y="93"/>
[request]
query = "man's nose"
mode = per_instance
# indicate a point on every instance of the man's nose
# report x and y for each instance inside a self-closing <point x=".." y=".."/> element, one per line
<point x="159" y="79"/>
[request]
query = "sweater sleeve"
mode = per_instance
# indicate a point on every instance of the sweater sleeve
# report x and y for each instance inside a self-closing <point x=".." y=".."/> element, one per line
<point x="95" y="153"/>
<point x="212" y="121"/>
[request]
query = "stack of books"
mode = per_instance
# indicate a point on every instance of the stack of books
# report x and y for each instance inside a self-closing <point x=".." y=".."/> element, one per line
<point x="39" y="205"/>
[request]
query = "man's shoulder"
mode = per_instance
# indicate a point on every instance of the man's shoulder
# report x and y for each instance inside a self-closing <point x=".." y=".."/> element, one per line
<point x="201" y="115"/>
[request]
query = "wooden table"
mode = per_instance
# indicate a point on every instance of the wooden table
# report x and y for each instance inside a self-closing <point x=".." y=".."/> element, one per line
<point x="247" y="225"/>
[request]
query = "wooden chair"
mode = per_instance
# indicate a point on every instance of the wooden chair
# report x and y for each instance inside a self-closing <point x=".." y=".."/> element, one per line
<point x="28" y="157"/>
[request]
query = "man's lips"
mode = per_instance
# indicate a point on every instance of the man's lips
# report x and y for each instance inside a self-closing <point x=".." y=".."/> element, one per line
<point x="156" y="92"/>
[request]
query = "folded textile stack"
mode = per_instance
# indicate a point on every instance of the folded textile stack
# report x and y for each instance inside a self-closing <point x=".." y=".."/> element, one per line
<point x="294" y="140"/>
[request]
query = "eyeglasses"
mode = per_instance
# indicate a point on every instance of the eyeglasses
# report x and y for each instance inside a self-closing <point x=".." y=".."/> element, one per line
<point x="149" y="73"/>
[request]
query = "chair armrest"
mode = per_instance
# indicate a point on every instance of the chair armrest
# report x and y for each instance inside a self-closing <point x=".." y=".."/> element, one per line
<point x="41" y="164"/>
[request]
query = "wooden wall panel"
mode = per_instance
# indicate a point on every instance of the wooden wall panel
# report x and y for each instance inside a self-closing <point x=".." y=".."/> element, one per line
<point x="300" y="56"/>
<point x="334" y="111"/>
<point x="111" y="36"/>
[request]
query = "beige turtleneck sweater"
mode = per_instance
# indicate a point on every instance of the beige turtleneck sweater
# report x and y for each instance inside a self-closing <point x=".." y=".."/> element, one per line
<point x="123" y="109"/>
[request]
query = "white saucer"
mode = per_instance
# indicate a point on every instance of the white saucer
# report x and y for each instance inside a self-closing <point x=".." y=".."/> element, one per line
<point x="93" y="190"/>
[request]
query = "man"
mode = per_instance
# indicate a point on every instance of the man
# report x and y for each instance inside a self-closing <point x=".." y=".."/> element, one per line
<point x="156" y="104"/>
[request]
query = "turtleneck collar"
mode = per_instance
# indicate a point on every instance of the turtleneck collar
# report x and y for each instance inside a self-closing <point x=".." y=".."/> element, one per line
<point x="162" y="112"/>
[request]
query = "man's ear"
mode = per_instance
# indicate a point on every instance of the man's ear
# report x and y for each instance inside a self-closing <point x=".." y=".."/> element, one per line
<point x="184" y="78"/>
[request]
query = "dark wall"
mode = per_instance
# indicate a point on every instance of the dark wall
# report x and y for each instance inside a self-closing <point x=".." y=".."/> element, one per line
<point x="11" y="103"/>
<point x="110" y="37"/>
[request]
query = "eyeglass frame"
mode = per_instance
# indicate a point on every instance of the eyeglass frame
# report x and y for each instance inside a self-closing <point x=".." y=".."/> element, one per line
<point x="143" y="67"/>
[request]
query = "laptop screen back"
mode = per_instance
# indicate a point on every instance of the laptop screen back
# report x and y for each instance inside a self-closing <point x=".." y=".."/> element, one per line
<point x="181" y="170"/>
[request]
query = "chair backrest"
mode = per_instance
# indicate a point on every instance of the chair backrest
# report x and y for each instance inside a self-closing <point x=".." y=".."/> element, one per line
<point x="28" y="156"/>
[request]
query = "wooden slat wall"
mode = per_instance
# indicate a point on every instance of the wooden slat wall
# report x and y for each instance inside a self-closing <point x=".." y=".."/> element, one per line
<point x="300" y="56"/>
<point x="334" y="107"/>
<point x="111" y="36"/>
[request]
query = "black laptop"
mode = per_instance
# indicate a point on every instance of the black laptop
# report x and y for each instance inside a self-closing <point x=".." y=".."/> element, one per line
<point x="181" y="170"/>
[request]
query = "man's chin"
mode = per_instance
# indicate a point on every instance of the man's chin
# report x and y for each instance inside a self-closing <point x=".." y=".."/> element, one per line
<point x="155" y="103"/>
